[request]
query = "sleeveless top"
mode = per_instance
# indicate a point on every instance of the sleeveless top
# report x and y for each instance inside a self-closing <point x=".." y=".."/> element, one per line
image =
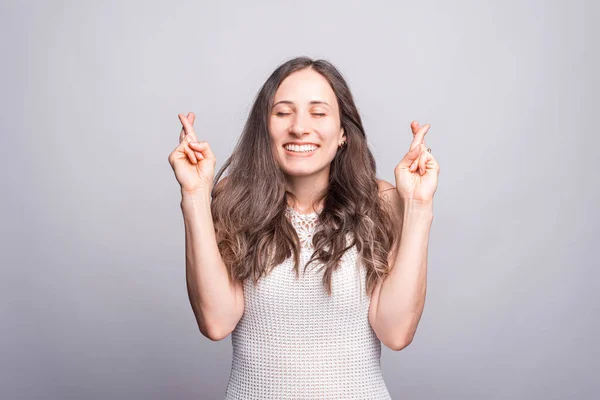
<point x="295" y="342"/>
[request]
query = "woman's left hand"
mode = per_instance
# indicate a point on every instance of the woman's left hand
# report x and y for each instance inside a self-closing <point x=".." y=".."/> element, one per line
<point x="417" y="173"/>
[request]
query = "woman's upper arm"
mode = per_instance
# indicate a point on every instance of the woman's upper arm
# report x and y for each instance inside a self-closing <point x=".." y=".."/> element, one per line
<point x="238" y="285"/>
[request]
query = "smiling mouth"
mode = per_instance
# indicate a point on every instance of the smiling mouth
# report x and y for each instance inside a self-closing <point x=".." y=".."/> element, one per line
<point x="301" y="153"/>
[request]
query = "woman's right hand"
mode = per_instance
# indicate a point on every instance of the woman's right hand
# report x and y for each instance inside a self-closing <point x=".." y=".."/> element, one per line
<point x="192" y="161"/>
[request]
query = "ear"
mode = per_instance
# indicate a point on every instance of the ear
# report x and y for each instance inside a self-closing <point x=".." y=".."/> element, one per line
<point x="342" y="133"/>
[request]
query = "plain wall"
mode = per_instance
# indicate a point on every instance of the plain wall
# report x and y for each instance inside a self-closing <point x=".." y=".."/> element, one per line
<point x="93" y="296"/>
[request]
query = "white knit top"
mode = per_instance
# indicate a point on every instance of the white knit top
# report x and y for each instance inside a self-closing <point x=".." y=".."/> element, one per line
<point x="295" y="342"/>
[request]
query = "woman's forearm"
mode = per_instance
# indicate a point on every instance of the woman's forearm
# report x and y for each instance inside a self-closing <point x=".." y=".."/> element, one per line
<point x="402" y="296"/>
<point x="214" y="299"/>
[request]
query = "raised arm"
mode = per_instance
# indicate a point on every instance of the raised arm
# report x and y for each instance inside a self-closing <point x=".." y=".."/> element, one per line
<point x="218" y="304"/>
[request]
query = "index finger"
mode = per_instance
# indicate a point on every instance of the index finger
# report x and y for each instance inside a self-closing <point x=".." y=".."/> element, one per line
<point x="189" y="129"/>
<point x="191" y="117"/>
<point x="415" y="127"/>
<point x="419" y="136"/>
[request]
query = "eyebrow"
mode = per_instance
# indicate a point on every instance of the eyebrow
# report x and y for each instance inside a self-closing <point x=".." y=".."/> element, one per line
<point x="311" y="102"/>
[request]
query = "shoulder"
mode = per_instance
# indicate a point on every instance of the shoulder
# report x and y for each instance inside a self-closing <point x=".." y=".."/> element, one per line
<point x="388" y="192"/>
<point x="384" y="185"/>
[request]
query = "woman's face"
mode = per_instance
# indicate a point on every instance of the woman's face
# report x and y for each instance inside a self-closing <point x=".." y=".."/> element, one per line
<point x="305" y="110"/>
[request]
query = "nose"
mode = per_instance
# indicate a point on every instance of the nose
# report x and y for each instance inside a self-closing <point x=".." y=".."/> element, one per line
<point x="300" y="124"/>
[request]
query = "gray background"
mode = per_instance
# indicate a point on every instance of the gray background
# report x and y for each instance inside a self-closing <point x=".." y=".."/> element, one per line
<point x="93" y="296"/>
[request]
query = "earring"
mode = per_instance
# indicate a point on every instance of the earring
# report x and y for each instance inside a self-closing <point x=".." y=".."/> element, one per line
<point x="343" y="144"/>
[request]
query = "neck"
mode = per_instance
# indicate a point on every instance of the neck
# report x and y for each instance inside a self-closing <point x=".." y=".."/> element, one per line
<point x="306" y="189"/>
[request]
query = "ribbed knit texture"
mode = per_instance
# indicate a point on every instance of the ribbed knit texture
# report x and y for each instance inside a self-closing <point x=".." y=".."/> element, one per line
<point x="295" y="342"/>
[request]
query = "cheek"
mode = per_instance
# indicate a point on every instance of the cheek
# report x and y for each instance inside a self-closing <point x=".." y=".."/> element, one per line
<point x="277" y="125"/>
<point x="276" y="151"/>
<point x="275" y="134"/>
<point x="332" y="137"/>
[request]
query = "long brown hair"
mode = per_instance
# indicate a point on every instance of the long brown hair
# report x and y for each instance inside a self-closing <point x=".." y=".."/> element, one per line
<point x="249" y="204"/>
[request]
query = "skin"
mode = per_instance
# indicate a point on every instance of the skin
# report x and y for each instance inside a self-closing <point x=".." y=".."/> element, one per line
<point x="298" y="120"/>
<point x="417" y="173"/>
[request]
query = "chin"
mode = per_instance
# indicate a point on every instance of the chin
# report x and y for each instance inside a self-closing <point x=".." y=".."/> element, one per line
<point x="299" y="173"/>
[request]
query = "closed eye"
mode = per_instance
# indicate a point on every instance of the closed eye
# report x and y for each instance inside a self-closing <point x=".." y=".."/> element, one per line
<point x="280" y="114"/>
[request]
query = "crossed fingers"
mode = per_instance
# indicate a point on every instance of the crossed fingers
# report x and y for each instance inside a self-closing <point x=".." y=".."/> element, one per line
<point x="419" y="135"/>
<point x="187" y="129"/>
<point x="188" y="135"/>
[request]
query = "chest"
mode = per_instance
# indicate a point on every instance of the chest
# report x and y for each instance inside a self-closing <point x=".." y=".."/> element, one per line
<point x="282" y="296"/>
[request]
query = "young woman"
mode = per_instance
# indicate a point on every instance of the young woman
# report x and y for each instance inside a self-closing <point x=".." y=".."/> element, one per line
<point x="303" y="255"/>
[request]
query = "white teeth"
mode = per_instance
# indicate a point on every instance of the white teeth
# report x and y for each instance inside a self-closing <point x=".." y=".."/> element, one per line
<point x="300" y="149"/>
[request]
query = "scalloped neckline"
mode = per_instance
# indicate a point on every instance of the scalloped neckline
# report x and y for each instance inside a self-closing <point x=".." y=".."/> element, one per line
<point x="309" y="215"/>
